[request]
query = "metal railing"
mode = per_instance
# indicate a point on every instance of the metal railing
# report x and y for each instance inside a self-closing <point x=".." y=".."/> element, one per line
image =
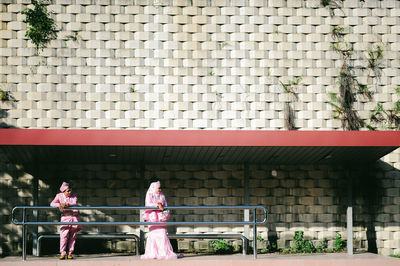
<point x="127" y="236"/>
<point x="214" y="236"/>
<point x="24" y="223"/>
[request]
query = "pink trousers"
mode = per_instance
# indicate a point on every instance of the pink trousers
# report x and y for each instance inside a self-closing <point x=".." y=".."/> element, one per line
<point x="68" y="234"/>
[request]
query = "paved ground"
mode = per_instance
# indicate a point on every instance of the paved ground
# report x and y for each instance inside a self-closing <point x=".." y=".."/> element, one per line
<point x="363" y="259"/>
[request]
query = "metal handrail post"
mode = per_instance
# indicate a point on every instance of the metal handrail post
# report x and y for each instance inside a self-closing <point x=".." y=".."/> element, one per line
<point x="255" y="234"/>
<point x="24" y="228"/>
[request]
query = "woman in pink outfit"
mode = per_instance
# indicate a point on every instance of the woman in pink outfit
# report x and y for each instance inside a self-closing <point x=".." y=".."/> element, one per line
<point x="157" y="243"/>
<point x="67" y="232"/>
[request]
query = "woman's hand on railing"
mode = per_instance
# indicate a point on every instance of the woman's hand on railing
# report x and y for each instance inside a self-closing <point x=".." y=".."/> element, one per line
<point x="62" y="206"/>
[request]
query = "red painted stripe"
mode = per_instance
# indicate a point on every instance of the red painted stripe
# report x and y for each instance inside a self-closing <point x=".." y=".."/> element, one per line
<point x="92" y="137"/>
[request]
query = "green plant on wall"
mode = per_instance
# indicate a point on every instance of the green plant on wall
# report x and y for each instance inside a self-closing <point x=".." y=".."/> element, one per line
<point x="74" y="37"/>
<point x="334" y="4"/>
<point x="290" y="88"/>
<point x="349" y="86"/>
<point x="374" y="59"/>
<point x="6" y="96"/>
<point x="41" y="28"/>
<point x="338" y="33"/>
<point x="388" y="119"/>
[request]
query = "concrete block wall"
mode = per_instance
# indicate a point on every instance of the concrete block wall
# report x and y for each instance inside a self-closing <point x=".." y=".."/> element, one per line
<point x="211" y="65"/>
<point x="310" y="198"/>
<point x="216" y="64"/>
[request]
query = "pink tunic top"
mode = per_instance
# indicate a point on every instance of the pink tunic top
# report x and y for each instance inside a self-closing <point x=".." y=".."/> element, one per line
<point x="68" y="215"/>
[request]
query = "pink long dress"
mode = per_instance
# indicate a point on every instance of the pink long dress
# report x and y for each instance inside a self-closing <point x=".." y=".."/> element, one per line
<point x="157" y="243"/>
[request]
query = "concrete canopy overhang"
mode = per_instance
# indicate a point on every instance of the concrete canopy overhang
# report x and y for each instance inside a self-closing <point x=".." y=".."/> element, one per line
<point x="196" y="146"/>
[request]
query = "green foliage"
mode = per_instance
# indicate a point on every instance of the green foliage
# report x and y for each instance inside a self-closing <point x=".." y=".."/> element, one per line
<point x="345" y="49"/>
<point x="338" y="33"/>
<point x="395" y="256"/>
<point x="339" y="243"/>
<point x="375" y="56"/>
<point x="301" y="245"/>
<point x="388" y="119"/>
<point x="6" y="96"/>
<point x="323" y="246"/>
<point x="41" y="29"/>
<point x="306" y="246"/>
<point x="290" y="88"/>
<point x="271" y="248"/>
<point x="349" y="86"/>
<point x="74" y="36"/>
<point x="222" y="44"/>
<point x="221" y="246"/>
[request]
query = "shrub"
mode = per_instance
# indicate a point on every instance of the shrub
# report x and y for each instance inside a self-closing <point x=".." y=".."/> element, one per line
<point x="221" y="246"/>
<point x="301" y="245"/>
<point x="339" y="243"/>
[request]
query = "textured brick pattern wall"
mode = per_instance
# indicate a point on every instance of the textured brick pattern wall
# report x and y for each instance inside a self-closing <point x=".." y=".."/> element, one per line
<point x="307" y="198"/>
<point x="216" y="64"/>
<point x="211" y="65"/>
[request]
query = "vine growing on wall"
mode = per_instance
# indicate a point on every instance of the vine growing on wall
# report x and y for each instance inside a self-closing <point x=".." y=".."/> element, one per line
<point x="334" y="4"/>
<point x="388" y="119"/>
<point x="6" y="96"/>
<point x="374" y="59"/>
<point x="349" y="86"/>
<point x="41" y="28"/>
<point x="290" y="89"/>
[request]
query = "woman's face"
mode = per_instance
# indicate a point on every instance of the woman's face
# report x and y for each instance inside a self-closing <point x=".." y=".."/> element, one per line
<point x="67" y="192"/>
<point x="158" y="190"/>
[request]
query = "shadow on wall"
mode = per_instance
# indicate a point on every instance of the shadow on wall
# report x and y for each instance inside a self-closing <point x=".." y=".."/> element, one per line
<point x="96" y="185"/>
<point x="8" y="103"/>
<point x="16" y="189"/>
<point x="297" y="200"/>
<point x="371" y="185"/>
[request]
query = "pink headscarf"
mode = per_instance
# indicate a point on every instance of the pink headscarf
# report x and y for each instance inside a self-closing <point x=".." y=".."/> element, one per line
<point x="153" y="198"/>
<point x="64" y="186"/>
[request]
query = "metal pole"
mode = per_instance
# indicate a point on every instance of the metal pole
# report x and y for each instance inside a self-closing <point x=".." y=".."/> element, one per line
<point x="255" y="234"/>
<point x="349" y="214"/>
<point x="24" y="229"/>
<point x="246" y="202"/>
<point x="35" y="215"/>
<point x="142" y="203"/>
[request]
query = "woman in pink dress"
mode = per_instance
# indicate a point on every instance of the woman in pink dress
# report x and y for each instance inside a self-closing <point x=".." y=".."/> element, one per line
<point x="157" y="243"/>
<point x="67" y="232"/>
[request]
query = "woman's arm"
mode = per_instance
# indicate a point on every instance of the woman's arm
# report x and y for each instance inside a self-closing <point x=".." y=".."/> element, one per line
<point x="55" y="202"/>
